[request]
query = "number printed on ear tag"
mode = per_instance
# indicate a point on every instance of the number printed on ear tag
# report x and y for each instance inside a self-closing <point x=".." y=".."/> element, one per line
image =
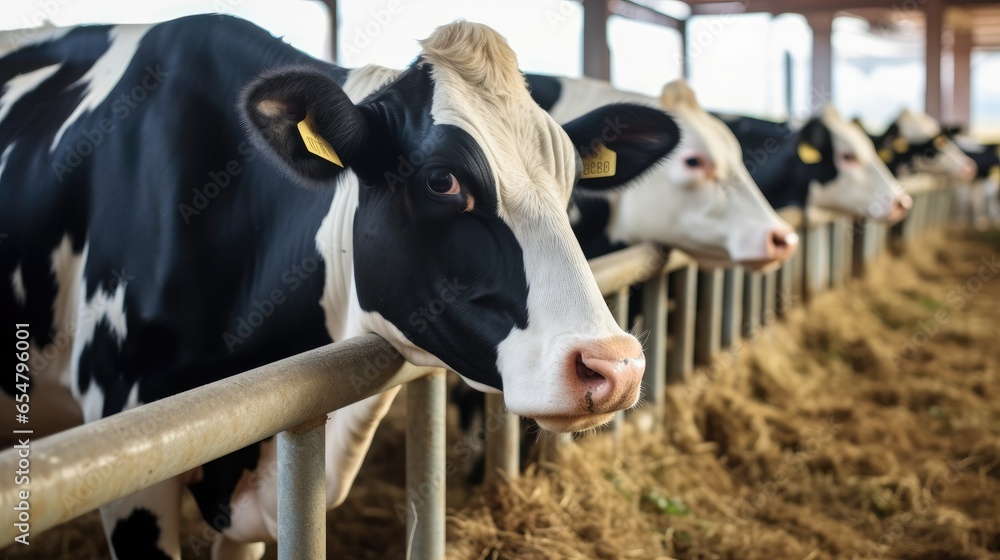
<point x="603" y="163"/>
<point x="315" y="143"/>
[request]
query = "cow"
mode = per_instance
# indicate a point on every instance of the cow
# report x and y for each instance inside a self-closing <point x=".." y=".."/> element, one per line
<point x="188" y="200"/>
<point x="826" y="163"/>
<point x="701" y="199"/>
<point x="915" y="143"/>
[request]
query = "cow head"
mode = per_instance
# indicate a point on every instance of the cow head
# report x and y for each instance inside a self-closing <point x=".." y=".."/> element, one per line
<point x="462" y="252"/>
<point x="916" y="143"/>
<point x="863" y="185"/>
<point x="702" y="198"/>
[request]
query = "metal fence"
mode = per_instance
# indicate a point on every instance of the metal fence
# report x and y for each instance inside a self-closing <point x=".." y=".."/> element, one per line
<point x="688" y="315"/>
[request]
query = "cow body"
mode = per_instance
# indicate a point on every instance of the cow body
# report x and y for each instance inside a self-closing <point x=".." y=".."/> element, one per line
<point x="153" y="248"/>
<point x="825" y="163"/>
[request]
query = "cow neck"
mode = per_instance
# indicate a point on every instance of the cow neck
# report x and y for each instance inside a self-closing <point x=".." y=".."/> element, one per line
<point x="335" y="242"/>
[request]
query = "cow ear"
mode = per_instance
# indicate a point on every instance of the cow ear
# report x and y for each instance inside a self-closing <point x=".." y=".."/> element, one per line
<point x="304" y="122"/>
<point x="815" y="144"/>
<point x="621" y="142"/>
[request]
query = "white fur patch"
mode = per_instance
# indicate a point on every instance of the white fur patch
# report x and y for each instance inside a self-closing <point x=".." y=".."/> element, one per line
<point x="19" y="86"/>
<point x="17" y="284"/>
<point x="13" y="40"/>
<point x="716" y="212"/>
<point x="5" y="156"/>
<point x="104" y="75"/>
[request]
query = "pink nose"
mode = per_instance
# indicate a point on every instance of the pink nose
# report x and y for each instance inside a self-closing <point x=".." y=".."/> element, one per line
<point x="604" y="375"/>
<point x="900" y="207"/>
<point x="781" y="243"/>
<point x="968" y="171"/>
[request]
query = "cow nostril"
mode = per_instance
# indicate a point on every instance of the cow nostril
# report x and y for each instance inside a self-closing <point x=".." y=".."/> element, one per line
<point x="586" y="374"/>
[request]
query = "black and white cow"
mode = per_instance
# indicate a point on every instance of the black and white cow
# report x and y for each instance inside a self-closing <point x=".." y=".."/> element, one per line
<point x="915" y="143"/>
<point x="701" y="199"/>
<point x="153" y="249"/>
<point x="826" y="163"/>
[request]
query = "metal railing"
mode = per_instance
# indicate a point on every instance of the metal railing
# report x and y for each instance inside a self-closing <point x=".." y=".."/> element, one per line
<point x="79" y="470"/>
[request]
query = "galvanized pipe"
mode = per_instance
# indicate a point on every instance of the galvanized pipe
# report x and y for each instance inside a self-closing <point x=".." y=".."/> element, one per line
<point x="752" y="294"/>
<point x="426" y="400"/>
<point x="302" y="492"/>
<point x="732" y="305"/>
<point x="503" y="439"/>
<point x="682" y="322"/>
<point x="709" y="316"/>
<point x="81" y="469"/>
<point x="654" y="312"/>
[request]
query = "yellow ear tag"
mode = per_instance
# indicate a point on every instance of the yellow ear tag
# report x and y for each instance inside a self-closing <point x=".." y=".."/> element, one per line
<point x="939" y="142"/>
<point x="900" y="145"/>
<point x="809" y="154"/>
<point x="995" y="173"/>
<point x="603" y="163"/>
<point x="885" y="154"/>
<point x="315" y="143"/>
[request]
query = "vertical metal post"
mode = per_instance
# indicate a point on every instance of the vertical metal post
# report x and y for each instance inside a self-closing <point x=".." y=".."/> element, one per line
<point x="732" y="305"/>
<point x="752" y="292"/>
<point x="681" y="360"/>
<point x="503" y="439"/>
<point x="817" y="260"/>
<point x="302" y="492"/>
<point x="839" y="261"/>
<point x="799" y="268"/>
<point x="425" y="466"/>
<point x="769" y="299"/>
<point x="858" y="237"/>
<point x="708" y="321"/>
<point x="654" y="312"/>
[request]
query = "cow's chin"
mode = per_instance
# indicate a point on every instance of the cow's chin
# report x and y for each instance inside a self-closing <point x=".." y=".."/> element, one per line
<point x="567" y="424"/>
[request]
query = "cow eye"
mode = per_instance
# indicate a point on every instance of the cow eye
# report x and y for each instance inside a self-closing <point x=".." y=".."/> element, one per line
<point x="693" y="162"/>
<point x="442" y="182"/>
<point x="849" y="158"/>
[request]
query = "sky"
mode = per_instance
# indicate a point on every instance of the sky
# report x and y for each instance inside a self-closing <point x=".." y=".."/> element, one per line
<point x="737" y="62"/>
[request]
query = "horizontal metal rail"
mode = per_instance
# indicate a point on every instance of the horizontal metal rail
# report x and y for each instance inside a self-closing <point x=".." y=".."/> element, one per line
<point x="79" y="470"/>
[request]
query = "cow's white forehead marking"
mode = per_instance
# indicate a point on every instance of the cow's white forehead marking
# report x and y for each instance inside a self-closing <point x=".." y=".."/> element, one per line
<point x="846" y="136"/>
<point x="917" y="127"/>
<point x="105" y="73"/>
<point x="530" y="155"/>
<point x="18" y="86"/>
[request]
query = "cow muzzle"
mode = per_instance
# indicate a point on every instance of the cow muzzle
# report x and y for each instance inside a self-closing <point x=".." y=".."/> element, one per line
<point x="899" y="208"/>
<point x="600" y="377"/>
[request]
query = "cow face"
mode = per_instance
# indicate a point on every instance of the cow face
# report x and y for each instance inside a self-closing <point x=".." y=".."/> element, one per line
<point x="702" y="198"/>
<point x="461" y="249"/>
<point x="863" y="185"/>
<point x="917" y="140"/>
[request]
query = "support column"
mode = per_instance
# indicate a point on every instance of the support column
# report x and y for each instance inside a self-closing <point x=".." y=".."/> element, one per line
<point x="822" y="58"/>
<point x="934" y="18"/>
<point x="596" y="55"/>
<point x="331" y="6"/>
<point x="961" y="98"/>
